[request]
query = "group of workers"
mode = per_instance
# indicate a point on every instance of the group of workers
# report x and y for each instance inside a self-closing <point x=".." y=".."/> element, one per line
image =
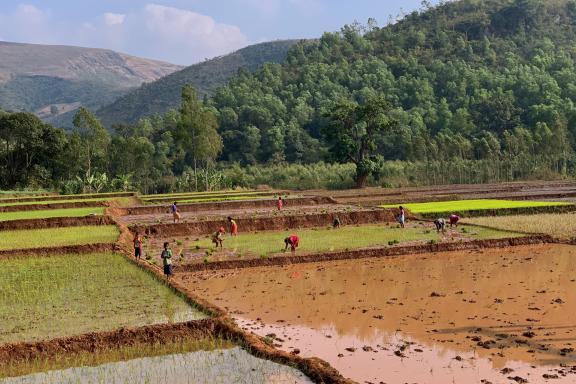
<point x="291" y="241"/>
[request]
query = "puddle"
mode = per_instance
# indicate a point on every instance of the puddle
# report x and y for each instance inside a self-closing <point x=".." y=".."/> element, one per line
<point x="224" y="366"/>
<point x="458" y="317"/>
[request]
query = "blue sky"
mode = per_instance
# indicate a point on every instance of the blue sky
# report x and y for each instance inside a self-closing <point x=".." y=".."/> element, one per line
<point x="183" y="31"/>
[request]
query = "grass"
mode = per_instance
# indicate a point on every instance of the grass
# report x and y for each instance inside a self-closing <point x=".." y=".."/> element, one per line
<point x="57" y="237"/>
<point x="43" y="202"/>
<point x="91" y="359"/>
<point x="562" y="225"/>
<point x="48" y="213"/>
<point x="472" y="205"/>
<point x="226" y="192"/>
<point x="347" y="237"/>
<point x="48" y="297"/>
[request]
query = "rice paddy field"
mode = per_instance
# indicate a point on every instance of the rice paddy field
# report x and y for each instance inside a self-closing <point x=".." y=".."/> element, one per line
<point x="58" y="237"/>
<point x="63" y="295"/>
<point x="446" y="207"/>
<point x="51" y="213"/>
<point x="46" y="202"/>
<point x="271" y="243"/>
<point x="561" y="225"/>
<point x="210" y="197"/>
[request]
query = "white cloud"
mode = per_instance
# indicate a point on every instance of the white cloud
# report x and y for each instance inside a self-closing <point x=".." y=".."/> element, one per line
<point x="155" y="31"/>
<point x="114" y="18"/>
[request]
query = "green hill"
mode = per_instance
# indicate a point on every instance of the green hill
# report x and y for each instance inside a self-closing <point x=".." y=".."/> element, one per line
<point x="53" y="80"/>
<point x="159" y="96"/>
<point x="467" y="80"/>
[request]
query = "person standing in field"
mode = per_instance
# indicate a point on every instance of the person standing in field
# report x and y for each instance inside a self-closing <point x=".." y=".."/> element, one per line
<point x="233" y="226"/>
<point x="402" y="217"/>
<point x="454" y="219"/>
<point x="137" y="246"/>
<point x="218" y="237"/>
<point x="293" y="241"/>
<point x="175" y="212"/>
<point x="280" y="203"/>
<point x="167" y="260"/>
<point x="336" y="223"/>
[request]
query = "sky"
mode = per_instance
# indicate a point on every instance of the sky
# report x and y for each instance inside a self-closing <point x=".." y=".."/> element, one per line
<point x="183" y="31"/>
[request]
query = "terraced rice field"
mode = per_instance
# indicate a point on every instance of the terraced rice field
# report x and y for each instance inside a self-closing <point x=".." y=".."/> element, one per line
<point x="561" y="225"/>
<point x="57" y="237"/>
<point x="51" y="213"/>
<point x="444" y="207"/>
<point x="46" y="202"/>
<point x="48" y="297"/>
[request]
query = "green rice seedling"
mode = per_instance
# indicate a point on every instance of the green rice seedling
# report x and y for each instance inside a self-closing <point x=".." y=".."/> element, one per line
<point x="50" y="213"/>
<point x="473" y="205"/>
<point x="57" y="237"/>
<point x="62" y="295"/>
<point x="45" y="202"/>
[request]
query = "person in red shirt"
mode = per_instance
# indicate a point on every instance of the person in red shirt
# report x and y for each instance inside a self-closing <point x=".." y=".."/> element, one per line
<point x="454" y="219"/>
<point x="280" y="203"/>
<point x="292" y="241"/>
<point x="233" y="226"/>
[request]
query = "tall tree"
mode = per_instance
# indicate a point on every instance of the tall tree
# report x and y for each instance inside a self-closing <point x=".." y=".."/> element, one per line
<point x="95" y="138"/>
<point x="353" y="133"/>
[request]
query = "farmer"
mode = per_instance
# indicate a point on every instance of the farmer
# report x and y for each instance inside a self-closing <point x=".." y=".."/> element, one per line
<point x="402" y="217"/>
<point x="454" y="219"/>
<point x="167" y="260"/>
<point x="233" y="226"/>
<point x="292" y="241"/>
<point x="280" y="203"/>
<point x="137" y="245"/>
<point x="440" y="223"/>
<point x="336" y="223"/>
<point x="175" y="212"/>
<point x="218" y="237"/>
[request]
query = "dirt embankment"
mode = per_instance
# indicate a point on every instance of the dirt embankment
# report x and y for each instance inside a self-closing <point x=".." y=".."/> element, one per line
<point x="228" y="205"/>
<point x="67" y="197"/>
<point x="39" y="207"/>
<point x="368" y="253"/>
<point x="270" y="223"/>
<point x="50" y="251"/>
<point x="55" y="222"/>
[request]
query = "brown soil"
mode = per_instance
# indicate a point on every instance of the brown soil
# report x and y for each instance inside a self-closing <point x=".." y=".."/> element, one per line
<point x="64" y="197"/>
<point x="283" y="260"/>
<point x="55" y="222"/>
<point x="228" y="205"/>
<point x="38" y="207"/>
<point x="49" y="251"/>
<point x="465" y="317"/>
<point x="270" y="223"/>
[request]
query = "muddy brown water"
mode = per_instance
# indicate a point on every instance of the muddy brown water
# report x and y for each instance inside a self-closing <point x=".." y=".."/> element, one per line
<point x="459" y="317"/>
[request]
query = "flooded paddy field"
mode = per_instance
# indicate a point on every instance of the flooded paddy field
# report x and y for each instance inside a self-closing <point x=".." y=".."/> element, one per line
<point x="63" y="295"/>
<point x="490" y="316"/>
<point x="204" y="361"/>
<point x="194" y="250"/>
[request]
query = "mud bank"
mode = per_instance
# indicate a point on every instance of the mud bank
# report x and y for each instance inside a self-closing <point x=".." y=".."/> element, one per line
<point x="38" y="207"/>
<point x="55" y="222"/>
<point x="229" y="205"/>
<point x="48" y="251"/>
<point x="270" y="223"/>
<point x="67" y="197"/>
<point x="369" y="253"/>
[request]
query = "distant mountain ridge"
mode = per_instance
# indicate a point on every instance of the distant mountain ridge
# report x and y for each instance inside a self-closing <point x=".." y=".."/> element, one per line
<point x="54" y="79"/>
<point x="163" y="94"/>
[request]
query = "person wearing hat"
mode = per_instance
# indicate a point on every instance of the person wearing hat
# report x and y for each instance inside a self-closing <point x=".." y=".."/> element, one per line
<point x="218" y="237"/>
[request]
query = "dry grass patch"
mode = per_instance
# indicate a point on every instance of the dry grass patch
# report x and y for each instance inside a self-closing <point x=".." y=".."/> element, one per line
<point x="562" y="225"/>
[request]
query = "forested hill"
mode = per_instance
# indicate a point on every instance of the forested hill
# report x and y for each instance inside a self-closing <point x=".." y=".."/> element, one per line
<point x="492" y="79"/>
<point x="52" y="80"/>
<point x="163" y="94"/>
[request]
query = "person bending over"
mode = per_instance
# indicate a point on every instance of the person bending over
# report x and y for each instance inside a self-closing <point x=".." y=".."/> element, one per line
<point x="440" y="224"/>
<point x="218" y="237"/>
<point x="292" y="241"/>
<point x="454" y="219"/>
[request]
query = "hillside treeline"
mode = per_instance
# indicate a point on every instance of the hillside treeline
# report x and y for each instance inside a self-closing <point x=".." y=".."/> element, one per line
<point x="474" y="91"/>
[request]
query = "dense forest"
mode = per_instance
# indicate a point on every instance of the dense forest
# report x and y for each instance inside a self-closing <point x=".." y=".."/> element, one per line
<point x="469" y="91"/>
